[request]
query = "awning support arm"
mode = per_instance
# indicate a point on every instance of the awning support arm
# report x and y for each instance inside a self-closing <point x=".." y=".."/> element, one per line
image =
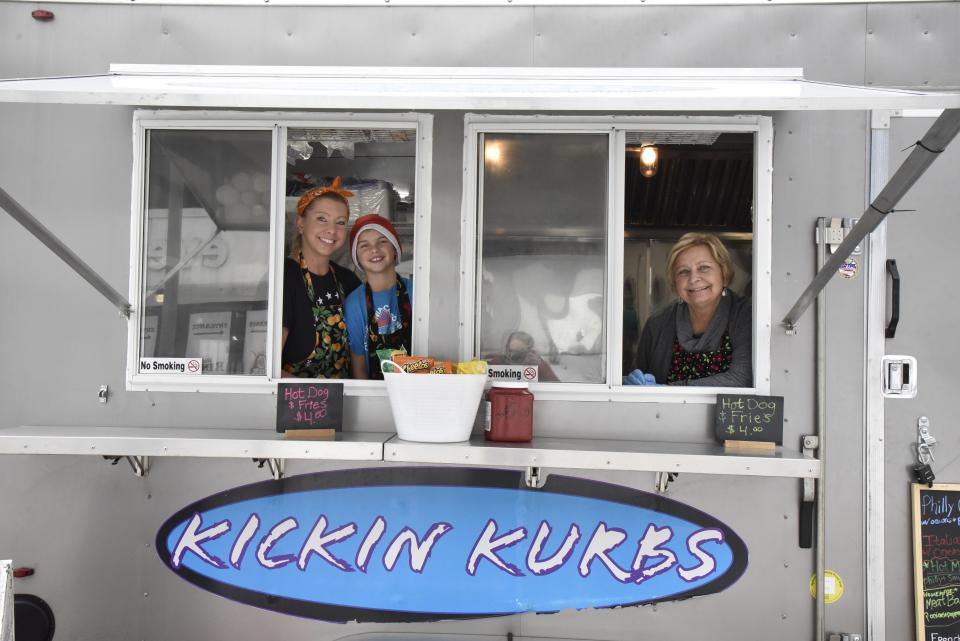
<point x="45" y="236"/>
<point x="924" y="153"/>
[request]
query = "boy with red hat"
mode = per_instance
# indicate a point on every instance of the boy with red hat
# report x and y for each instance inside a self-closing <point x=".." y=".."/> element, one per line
<point x="379" y="314"/>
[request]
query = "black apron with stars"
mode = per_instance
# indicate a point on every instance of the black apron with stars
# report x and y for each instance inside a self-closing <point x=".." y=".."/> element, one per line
<point x="330" y="357"/>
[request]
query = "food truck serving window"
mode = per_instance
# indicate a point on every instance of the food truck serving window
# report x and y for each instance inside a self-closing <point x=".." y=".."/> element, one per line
<point x="215" y="218"/>
<point x="620" y="257"/>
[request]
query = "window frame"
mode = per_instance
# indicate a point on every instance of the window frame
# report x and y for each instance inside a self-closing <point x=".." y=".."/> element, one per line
<point x="277" y="123"/>
<point x="616" y="127"/>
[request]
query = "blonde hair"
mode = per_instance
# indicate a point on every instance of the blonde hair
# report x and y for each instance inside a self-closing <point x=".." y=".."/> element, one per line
<point x="712" y="243"/>
<point x="305" y="203"/>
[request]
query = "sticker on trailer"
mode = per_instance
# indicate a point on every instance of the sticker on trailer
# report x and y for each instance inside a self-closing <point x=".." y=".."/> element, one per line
<point x="184" y="366"/>
<point x="514" y="373"/>
<point x="832" y="586"/>
<point x="849" y="268"/>
<point x="410" y="544"/>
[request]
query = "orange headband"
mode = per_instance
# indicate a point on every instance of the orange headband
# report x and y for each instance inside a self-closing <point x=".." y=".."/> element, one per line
<point x="315" y="193"/>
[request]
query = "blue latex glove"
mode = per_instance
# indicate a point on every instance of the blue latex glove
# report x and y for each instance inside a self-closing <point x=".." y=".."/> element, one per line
<point x="638" y="377"/>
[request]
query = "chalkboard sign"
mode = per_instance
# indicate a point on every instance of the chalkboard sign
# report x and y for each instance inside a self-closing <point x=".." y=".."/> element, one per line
<point x="936" y="560"/>
<point x="742" y="417"/>
<point x="312" y="405"/>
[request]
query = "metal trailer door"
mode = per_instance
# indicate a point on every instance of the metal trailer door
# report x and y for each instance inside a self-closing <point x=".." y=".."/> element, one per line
<point x="924" y="244"/>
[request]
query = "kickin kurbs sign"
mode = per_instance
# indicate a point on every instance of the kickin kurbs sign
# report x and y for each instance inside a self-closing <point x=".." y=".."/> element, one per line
<point x="423" y="544"/>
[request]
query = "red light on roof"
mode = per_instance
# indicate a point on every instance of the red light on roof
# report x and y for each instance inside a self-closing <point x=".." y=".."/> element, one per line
<point x="42" y="14"/>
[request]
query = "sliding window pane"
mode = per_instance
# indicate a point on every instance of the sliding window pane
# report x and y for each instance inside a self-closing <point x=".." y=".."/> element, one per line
<point x="543" y="211"/>
<point x="206" y="249"/>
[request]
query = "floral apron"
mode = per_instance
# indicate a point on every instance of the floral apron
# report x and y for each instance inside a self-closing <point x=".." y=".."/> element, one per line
<point x="689" y="366"/>
<point x="330" y="357"/>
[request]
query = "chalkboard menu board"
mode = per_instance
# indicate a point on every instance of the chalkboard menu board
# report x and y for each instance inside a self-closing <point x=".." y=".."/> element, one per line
<point x="936" y="560"/>
<point x="309" y="405"/>
<point x="745" y="417"/>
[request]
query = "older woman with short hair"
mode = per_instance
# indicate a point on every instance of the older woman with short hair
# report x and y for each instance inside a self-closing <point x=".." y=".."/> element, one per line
<point x="706" y="337"/>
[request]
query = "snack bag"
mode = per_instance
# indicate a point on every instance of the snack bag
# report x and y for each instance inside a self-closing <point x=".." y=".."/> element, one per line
<point x="441" y="367"/>
<point x="388" y="355"/>
<point x="414" y="364"/>
<point x="471" y="367"/>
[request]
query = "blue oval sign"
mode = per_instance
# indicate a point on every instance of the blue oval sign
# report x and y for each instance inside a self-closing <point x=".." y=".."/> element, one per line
<point x="422" y="544"/>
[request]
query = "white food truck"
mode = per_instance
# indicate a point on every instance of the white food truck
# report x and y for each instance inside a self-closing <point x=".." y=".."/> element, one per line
<point x="154" y="153"/>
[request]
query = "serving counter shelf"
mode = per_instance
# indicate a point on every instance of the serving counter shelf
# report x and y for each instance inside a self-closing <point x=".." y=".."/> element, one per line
<point x="584" y="454"/>
<point x="197" y="442"/>
<point x="137" y="444"/>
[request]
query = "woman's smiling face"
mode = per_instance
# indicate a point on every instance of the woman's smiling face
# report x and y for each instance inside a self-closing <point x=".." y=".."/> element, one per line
<point x="698" y="277"/>
<point x="323" y="226"/>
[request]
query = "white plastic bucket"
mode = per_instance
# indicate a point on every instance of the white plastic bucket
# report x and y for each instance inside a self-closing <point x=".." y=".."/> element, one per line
<point x="434" y="408"/>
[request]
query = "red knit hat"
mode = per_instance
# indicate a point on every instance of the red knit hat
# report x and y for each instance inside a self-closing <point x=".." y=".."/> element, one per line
<point x="382" y="225"/>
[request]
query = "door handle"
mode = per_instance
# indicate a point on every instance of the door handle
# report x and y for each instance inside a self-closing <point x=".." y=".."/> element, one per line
<point x="894" y="274"/>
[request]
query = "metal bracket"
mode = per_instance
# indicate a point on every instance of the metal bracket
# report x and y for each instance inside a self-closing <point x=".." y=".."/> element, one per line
<point x="808" y="447"/>
<point x="139" y="464"/>
<point x="103" y="394"/>
<point x="533" y="478"/>
<point x="836" y="232"/>
<point x="663" y="479"/>
<point x="276" y="466"/>
<point x="925" y="441"/>
<point x="880" y="118"/>
<point x="807" y="518"/>
<point x="845" y="636"/>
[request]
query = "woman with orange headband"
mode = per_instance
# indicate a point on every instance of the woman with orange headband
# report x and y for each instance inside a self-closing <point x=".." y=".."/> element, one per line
<point x="314" y="288"/>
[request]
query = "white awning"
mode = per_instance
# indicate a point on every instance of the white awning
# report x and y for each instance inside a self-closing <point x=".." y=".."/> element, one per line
<point x="464" y="88"/>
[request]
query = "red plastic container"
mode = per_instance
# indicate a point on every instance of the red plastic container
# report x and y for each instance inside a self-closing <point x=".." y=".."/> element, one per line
<point x="509" y="413"/>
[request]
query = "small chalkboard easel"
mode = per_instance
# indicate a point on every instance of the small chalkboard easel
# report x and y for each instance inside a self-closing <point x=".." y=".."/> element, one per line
<point x="309" y="409"/>
<point x="749" y="423"/>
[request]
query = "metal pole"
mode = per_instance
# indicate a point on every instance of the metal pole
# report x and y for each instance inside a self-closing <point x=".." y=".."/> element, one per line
<point x="45" y="236"/>
<point x="874" y="346"/>
<point x="926" y="151"/>
<point x="821" y="359"/>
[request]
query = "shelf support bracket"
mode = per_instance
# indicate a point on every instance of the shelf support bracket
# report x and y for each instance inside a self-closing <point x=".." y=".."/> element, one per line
<point x="534" y="479"/>
<point x="275" y="465"/>
<point x="663" y="479"/>
<point x="139" y="464"/>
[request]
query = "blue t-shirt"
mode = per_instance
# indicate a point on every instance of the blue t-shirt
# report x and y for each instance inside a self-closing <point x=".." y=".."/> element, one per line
<point x="386" y="311"/>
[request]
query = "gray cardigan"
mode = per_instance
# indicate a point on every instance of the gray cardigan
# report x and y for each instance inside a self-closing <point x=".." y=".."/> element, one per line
<point x="734" y="316"/>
